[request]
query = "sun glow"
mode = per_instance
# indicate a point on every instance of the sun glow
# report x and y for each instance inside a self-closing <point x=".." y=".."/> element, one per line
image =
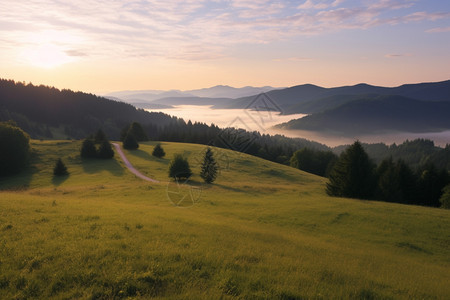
<point x="46" y="56"/>
<point x="49" y="49"/>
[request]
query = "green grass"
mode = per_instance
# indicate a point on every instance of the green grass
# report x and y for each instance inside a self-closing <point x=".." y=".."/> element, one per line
<point x="261" y="231"/>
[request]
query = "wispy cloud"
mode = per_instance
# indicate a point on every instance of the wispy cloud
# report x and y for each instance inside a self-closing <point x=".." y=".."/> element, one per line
<point x="190" y="30"/>
<point x="397" y="55"/>
<point x="438" y="29"/>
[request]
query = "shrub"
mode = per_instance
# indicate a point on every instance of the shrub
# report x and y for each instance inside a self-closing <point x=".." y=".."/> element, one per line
<point x="130" y="142"/>
<point x="14" y="148"/>
<point x="60" y="168"/>
<point x="88" y="149"/>
<point x="158" y="151"/>
<point x="179" y="167"/>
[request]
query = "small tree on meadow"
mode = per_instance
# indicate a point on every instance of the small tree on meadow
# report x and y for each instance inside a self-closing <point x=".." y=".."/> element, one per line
<point x="158" y="151"/>
<point x="130" y="142"/>
<point x="179" y="167"/>
<point x="209" y="167"/>
<point x="60" y="168"/>
<point x="88" y="149"/>
<point x="105" y="150"/>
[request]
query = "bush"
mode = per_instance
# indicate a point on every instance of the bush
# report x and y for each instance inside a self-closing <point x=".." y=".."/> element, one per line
<point x="14" y="148"/>
<point x="105" y="150"/>
<point x="179" y="167"/>
<point x="60" y="168"/>
<point x="158" y="151"/>
<point x="88" y="149"/>
<point x="130" y="142"/>
<point x="209" y="167"/>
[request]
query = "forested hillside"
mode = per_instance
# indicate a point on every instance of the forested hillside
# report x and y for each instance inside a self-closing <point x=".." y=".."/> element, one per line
<point x="41" y="111"/>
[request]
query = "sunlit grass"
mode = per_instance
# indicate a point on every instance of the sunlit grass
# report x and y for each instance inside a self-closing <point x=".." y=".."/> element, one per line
<point x="261" y="231"/>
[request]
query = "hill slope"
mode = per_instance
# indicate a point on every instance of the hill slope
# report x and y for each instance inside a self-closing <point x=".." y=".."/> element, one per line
<point x="262" y="231"/>
<point x="36" y="108"/>
<point x="379" y="114"/>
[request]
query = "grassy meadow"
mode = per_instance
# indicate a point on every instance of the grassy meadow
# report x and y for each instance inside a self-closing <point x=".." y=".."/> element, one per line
<point x="261" y="231"/>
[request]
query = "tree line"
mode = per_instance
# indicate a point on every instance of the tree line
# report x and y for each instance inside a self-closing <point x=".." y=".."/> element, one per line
<point x="355" y="175"/>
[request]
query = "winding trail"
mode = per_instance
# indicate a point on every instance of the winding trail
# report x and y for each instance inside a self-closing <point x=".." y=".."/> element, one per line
<point x="130" y="166"/>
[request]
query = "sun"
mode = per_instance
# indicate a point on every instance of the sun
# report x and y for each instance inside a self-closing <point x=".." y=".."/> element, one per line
<point x="46" y="56"/>
<point x="49" y="49"/>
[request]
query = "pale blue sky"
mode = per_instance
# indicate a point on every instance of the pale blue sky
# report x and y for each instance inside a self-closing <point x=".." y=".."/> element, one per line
<point x="107" y="45"/>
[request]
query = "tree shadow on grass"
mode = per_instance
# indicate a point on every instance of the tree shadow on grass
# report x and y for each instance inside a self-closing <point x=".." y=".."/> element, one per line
<point x="96" y="165"/>
<point x="58" y="180"/>
<point x="230" y="188"/>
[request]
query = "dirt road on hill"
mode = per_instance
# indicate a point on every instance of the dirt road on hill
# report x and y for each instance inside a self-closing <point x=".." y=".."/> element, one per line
<point x="130" y="166"/>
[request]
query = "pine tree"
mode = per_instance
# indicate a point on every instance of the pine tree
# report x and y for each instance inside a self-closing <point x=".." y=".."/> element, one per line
<point x="179" y="167"/>
<point x="352" y="175"/>
<point x="99" y="137"/>
<point x="445" y="198"/>
<point x="60" y="168"/>
<point x="130" y="142"/>
<point x="209" y="167"/>
<point x="88" y="149"/>
<point x="158" y="151"/>
<point x="105" y="150"/>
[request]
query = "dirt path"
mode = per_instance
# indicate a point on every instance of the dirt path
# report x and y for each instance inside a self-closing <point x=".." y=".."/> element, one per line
<point x="130" y="166"/>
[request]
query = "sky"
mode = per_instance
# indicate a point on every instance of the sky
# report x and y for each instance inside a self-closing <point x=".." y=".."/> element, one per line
<point x="111" y="45"/>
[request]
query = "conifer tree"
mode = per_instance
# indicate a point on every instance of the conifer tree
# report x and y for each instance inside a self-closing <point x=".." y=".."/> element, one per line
<point x="88" y="149"/>
<point x="99" y="137"/>
<point x="130" y="142"/>
<point x="209" y="167"/>
<point x="158" y="151"/>
<point x="60" y="168"/>
<point x="179" y="167"/>
<point x="352" y="175"/>
<point x="105" y="150"/>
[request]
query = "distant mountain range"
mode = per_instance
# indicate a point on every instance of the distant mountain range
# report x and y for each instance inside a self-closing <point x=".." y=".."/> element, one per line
<point x="377" y="115"/>
<point x="360" y="108"/>
<point x="218" y="94"/>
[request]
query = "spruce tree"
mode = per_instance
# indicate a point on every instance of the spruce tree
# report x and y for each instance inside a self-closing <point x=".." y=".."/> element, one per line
<point x="209" y="167"/>
<point x="445" y="198"/>
<point x="352" y="176"/>
<point x="88" y="149"/>
<point x="60" y="168"/>
<point x="99" y="137"/>
<point x="105" y="150"/>
<point x="130" y="142"/>
<point x="158" y="151"/>
<point x="179" y="167"/>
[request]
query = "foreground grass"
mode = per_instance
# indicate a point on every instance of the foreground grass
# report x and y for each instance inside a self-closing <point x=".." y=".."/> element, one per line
<point x="262" y="231"/>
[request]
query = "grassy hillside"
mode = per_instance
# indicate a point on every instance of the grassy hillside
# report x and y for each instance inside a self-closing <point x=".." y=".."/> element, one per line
<point x="262" y="231"/>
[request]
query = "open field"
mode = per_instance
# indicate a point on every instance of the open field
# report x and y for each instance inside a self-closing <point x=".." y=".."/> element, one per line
<point x="261" y="231"/>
